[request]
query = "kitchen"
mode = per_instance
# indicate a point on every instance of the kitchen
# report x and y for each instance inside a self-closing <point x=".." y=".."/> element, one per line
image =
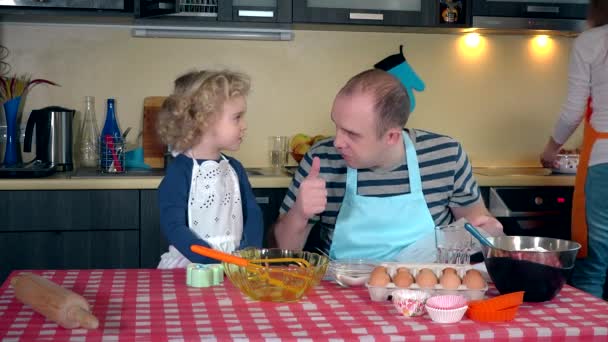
<point x="500" y="99"/>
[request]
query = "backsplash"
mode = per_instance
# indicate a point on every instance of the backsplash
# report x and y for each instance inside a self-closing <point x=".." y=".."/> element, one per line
<point x="500" y="101"/>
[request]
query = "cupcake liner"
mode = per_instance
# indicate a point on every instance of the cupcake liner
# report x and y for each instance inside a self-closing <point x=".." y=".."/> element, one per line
<point x="447" y="302"/>
<point x="446" y="316"/>
<point x="410" y="302"/>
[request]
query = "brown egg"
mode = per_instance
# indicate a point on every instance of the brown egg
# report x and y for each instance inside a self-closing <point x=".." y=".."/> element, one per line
<point x="472" y="270"/>
<point x="426" y="278"/>
<point x="379" y="269"/>
<point x="403" y="278"/>
<point x="449" y="280"/>
<point x="379" y="279"/>
<point x="449" y="270"/>
<point x="473" y="280"/>
<point x="403" y="269"/>
<point x="426" y="270"/>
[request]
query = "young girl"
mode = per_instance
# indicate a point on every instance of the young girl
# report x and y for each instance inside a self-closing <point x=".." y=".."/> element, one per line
<point x="205" y="197"/>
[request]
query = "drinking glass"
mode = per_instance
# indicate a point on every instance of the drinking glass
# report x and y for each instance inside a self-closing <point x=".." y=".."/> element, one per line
<point x="453" y="244"/>
<point x="278" y="149"/>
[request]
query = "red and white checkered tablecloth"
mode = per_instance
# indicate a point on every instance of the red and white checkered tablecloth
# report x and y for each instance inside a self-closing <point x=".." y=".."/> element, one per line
<point x="156" y="305"/>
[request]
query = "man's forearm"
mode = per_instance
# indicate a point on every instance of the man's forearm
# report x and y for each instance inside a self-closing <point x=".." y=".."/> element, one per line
<point x="478" y="215"/>
<point x="291" y="230"/>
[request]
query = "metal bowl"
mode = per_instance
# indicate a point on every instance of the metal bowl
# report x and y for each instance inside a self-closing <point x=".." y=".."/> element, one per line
<point x="258" y="288"/>
<point x="537" y="265"/>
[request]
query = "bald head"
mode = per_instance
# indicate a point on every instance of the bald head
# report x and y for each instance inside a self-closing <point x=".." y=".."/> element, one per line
<point x="392" y="104"/>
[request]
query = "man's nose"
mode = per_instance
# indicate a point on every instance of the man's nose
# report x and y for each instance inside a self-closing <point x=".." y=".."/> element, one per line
<point x="338" y="141"/>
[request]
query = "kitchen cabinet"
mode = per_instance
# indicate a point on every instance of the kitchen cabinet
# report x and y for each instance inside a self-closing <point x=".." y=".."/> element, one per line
<point x="564" y="9"/>
<point x="366" y="12"/>
<point x="153" y="242"/>
<point x="269" y="200"/>
<point x="266" y="11"/>
<point x="69" y="229"/>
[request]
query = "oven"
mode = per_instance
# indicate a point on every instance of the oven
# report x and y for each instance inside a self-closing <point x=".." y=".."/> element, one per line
<point x="533" y="211"/>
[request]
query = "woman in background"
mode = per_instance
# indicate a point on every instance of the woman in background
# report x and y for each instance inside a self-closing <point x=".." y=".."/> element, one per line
<point x="588" y="101"/>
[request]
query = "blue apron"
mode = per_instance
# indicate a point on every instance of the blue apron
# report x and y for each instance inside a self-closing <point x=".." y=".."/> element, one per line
<point x="378" y="228"/>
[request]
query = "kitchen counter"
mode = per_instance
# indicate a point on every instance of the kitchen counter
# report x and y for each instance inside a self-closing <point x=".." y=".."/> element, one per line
<point x="130" y="180"/>
<point x="260" y="178"/>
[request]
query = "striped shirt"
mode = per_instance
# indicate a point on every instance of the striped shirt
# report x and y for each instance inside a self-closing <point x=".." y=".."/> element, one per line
<point x="447" y="179"/>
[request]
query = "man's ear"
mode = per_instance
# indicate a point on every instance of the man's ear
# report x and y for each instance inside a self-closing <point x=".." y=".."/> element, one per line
<point x="393" y="136"/>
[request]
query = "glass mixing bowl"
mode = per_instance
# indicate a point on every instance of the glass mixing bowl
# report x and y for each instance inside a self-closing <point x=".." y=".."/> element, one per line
<point x="298" y="279"/>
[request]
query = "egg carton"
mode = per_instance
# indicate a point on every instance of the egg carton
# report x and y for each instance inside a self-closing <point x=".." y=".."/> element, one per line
<point x="382" y="293"/>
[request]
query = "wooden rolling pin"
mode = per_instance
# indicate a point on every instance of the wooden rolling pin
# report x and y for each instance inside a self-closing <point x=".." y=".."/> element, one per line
<point x="66" y="308"/>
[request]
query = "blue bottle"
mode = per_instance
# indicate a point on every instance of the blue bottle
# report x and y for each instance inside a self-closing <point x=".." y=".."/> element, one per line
<point x="110" y="142"/>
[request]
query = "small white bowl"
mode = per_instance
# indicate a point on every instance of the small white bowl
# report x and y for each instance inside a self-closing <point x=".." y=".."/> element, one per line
<point x="351" y="272"/>
<point x="566" y="163"/>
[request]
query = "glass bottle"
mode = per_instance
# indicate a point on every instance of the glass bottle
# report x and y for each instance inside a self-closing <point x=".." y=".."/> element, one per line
<point x="89" y="135"/>
<point x="110" y="141"/>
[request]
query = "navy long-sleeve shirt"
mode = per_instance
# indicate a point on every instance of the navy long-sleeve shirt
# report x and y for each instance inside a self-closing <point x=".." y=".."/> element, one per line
<point x="173" y="193"/>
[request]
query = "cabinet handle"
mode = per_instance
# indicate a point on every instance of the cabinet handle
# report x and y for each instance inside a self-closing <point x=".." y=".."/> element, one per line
<point x="262" y="200"/>
<point x="543" y="9"/>
<point x="366" y="16"/>
<point x="257" y="14"/>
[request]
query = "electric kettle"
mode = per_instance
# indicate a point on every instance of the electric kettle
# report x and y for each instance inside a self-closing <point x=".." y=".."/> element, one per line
<point x="53" y="136"/>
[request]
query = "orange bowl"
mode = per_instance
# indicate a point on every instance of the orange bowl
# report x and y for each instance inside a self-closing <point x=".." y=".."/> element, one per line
<point x="297" y="157"/>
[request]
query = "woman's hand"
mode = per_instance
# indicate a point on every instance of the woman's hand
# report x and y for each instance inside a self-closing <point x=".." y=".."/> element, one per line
<point x="547" y="158"/>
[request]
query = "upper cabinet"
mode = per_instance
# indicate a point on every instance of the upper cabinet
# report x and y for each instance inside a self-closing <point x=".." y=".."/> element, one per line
<point x="367" y="12"/>
<point x="552" y="9"/>
<point x="266" y="11"/>
<point x="548" y="15"/>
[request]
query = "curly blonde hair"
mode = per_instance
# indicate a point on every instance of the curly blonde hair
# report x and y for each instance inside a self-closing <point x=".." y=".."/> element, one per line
<point x="197" y="99"/>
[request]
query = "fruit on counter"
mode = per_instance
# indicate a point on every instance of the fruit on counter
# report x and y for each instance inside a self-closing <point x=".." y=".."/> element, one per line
<point x="298" y="139"/>
<point x="301" y="143"/>
<point x="301" y="148"/>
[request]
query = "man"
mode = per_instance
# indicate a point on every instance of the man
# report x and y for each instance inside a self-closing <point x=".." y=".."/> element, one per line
<point x="376" y="188"/>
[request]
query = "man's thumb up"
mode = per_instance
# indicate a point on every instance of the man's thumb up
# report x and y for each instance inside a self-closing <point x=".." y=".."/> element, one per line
<point x="312" y="195"/>
<point x="315" y="168"/>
